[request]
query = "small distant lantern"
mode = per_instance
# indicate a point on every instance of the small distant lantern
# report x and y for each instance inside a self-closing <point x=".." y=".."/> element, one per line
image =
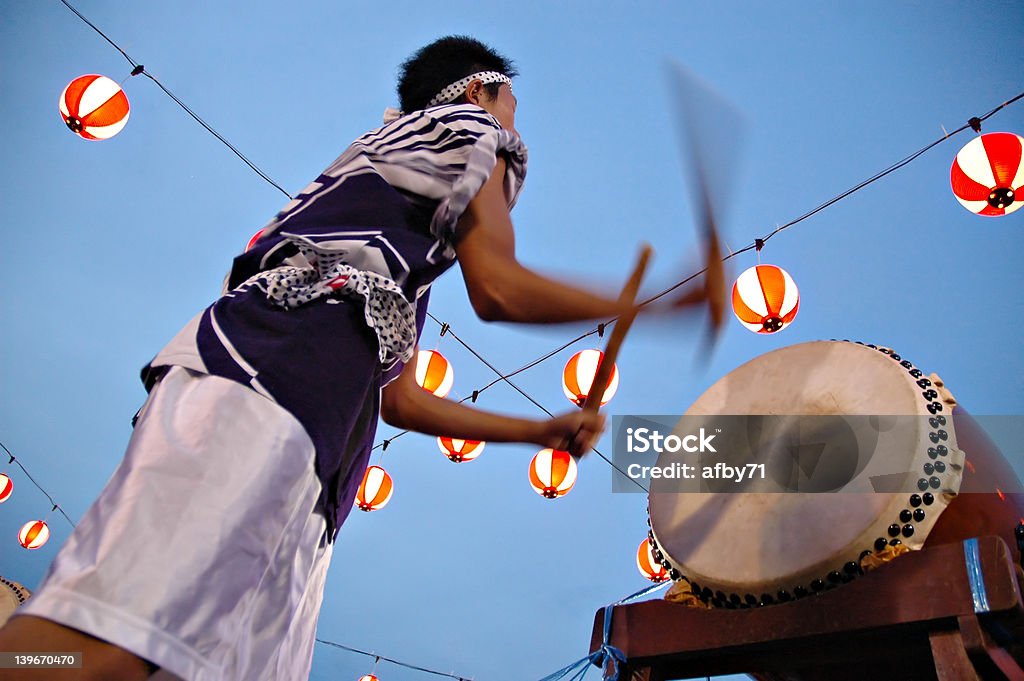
<point x="375" y="490"/>
<point x="33" y="534"/>
<point x="460" y="451"/>
<point x="368" y="677"/>
<point x="649" y="567"/>
<point x="253" y="240"/>
<point x="987" y="174"/>
<point x="433" y="372"/>
<point x="94" y="107"/>
<point x="6" y="487"/>
<point x="552" y="473"/>
<point x="579" y="374"/>
<point x="765" y="299"/>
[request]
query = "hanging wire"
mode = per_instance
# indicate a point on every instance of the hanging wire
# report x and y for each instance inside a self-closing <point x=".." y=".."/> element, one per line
<point x="138" y="68"/>
<point x="56" y="506"/>
<point x="390" y="660"/>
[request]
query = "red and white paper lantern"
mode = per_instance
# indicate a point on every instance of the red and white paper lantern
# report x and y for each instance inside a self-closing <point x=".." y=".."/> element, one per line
<point x="987" y="174"/>
<point x="94" y="107"/>
<point x="460" y="451"/>
<point x="579" y="374"/>
<point x="552" y="473"/>
<point x="765" y="299"/>
<point x="6" y="488"/>
<point x="433" y="372"/>
<point x="33" y="534"/>
<point x="375" y="490"/>
<point x="253" y="240"/>
<point x="649" y="567"/>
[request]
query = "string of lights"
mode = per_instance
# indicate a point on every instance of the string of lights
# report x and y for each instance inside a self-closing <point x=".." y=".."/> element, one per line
<point x="390" y="660"/>
<point x="138" y="69"/>
<point x="56" y="506"/>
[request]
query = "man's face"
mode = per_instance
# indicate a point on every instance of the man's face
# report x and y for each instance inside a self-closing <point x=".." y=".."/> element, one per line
<point x="502" y="107"/>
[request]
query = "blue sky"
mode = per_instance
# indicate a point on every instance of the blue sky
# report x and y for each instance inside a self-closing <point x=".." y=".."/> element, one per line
<point x="109" y="248"/>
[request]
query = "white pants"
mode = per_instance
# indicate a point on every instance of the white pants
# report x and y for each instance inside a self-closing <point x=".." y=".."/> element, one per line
<point x="203" y="553"/>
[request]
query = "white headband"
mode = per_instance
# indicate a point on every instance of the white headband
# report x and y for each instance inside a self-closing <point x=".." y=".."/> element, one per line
<point x="452" y="91"/>
<point x="458" y="87"/>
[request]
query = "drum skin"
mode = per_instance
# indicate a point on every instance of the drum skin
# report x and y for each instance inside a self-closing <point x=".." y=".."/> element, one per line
<point x="990" y="500"/>
<point x="832" y="377"/>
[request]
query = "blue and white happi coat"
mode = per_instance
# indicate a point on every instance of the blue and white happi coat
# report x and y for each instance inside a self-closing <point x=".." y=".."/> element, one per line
<point x="328" y="304"/>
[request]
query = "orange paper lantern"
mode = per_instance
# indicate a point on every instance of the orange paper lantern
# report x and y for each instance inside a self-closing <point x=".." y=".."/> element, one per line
<point x="647" y="565"/>
<point x="765" y="299"/>
<point x="460" y="451"/>
<point x="375" y="490"/>
<point x="987" y="174"/>
<point x="433" y="372"/>
<point x="33" y="534"/>
<point x="552" y="473"/>
<point x="94" y="107"/>
<point x="578" y="377"/>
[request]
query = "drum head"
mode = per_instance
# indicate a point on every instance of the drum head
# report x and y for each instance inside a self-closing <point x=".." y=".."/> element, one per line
<point x="751" y="543"/>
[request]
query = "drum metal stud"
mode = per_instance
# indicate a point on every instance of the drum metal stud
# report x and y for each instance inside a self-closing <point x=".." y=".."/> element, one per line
<point x="880" y="543"/>
<point x="852" y="568"/>
<point x="919" y="514"/>
<point x="835" y="577"/>
<point x="817" y="585"/>
<point x="906" y="516"/>
<point x="908" y="530"/>
<point x="929" y="498"/>
<point x="929" y="469"/>
<point x="915" y="500"/>
<point x="940" y="467"/>
<point x="784" y="596"/>
<point x="894" y="530"/>
<point x="934" y="482"/>
<point x="922" y="484"/>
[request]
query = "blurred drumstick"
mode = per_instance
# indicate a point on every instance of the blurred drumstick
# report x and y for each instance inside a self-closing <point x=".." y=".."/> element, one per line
<point x="622" y="324"/>
<point x="706" y="119"/>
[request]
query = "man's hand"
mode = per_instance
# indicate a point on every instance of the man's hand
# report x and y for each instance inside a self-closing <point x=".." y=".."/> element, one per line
<point x="576" y="432"/>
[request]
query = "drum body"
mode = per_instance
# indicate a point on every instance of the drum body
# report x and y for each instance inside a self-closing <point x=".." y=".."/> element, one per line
<point x="744" y="549"/>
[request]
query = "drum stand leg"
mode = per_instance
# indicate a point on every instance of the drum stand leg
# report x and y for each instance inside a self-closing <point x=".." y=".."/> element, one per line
<point x="950" y="655"/>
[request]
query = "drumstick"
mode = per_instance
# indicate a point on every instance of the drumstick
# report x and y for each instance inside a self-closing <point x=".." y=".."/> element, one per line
<point x="622" y="324"/>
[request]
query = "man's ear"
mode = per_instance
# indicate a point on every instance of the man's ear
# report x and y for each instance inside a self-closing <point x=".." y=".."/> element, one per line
<point x="475" y="92"/>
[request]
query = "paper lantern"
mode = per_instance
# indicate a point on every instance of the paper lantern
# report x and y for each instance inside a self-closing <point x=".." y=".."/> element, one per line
<point x="375" y="490"/>
<point x="94" y="107"/>
<point x="552" y="473"/>
<point x="460" y="451"/>
<point x="578" y="377"/>
<point x="6" y="487"/>
<point x="648" y="566"/>
<point x="433" y="372"/>
<point x="253" y="240"/>
<point x="765" y="299"/>
<point x="368" y="677"/>
<point x="987" y="174"/>
<point x="33" y="534"/>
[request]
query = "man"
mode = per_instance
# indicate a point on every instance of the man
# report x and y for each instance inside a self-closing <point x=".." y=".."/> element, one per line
<point x="205" y="555"/>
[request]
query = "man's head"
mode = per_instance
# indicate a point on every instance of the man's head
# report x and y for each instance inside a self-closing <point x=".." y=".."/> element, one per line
<point x="448" y="60"/>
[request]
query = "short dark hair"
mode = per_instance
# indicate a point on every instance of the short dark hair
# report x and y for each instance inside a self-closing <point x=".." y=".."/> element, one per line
<point x="443" y="62"/>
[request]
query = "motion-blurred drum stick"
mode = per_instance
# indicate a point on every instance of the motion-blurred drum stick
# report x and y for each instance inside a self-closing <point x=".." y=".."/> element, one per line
<point x="622" y="324"/>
